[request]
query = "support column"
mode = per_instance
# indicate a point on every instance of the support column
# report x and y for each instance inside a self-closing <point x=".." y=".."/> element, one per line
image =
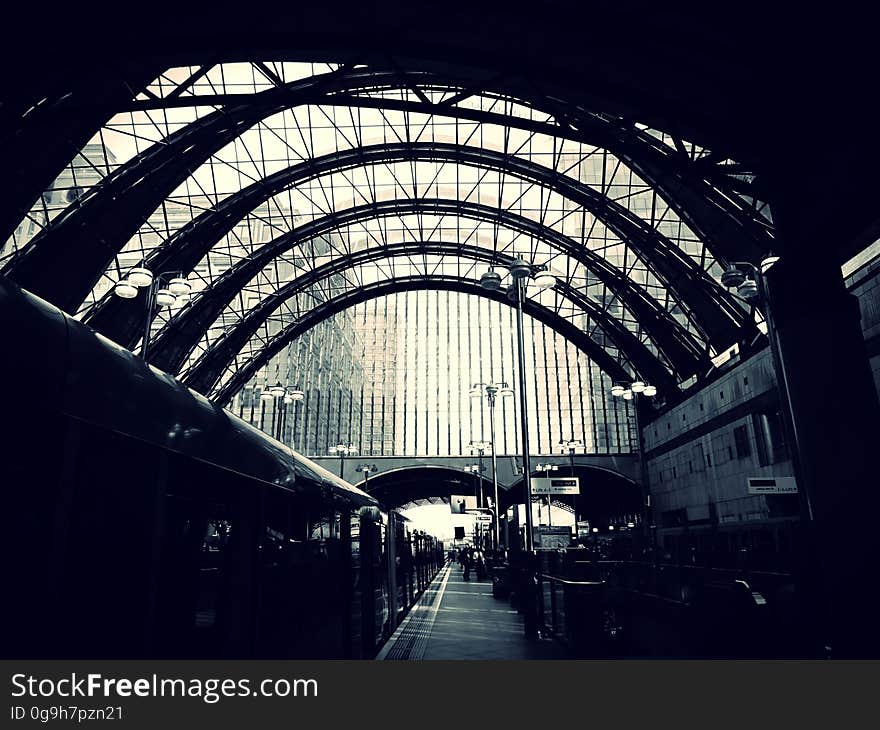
<point x="836" y="417"/>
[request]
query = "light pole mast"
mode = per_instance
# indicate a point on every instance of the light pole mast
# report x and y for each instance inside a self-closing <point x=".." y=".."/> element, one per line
<point x="491" y="390"/>
<point x="519" y="284"/>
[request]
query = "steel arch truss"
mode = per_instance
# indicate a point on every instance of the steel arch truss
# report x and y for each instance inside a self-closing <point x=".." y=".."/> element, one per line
<point x="712" y="309"/>
<point x="174" y="343"/>
<point x="333" y="306"/>
<point x="205" y="373"/>
<point x="113" y="210"/>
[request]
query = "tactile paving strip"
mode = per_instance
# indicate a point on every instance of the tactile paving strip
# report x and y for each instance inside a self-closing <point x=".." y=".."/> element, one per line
<point x="411" y="638"/>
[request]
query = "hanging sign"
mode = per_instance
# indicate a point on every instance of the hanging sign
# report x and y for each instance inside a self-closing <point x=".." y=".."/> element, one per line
<point x="556" y="485"/>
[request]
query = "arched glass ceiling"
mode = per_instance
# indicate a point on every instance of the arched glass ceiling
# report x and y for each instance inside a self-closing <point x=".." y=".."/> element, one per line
<point x="368" y="110"/>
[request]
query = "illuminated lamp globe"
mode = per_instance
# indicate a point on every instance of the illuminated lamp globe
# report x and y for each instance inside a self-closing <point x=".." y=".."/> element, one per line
<point x="617" y="391"/>
<point x="475" y="392"/>
<point x="140" y="276"/>
<point x="627" y="395"/>
<point x="179" y="286"/>
<point x="545" y="280"/>
<point x="266" y="395"/>
<point x="649" y="391"/>
<point x="732" y="277"/>
<point x="748" y="290"/>
<point x="491" y="280"/>
<point x="505" y="391"/>
<point x="165" y="297"/>
<point x="288" y="398"/>
<point x="638" y="386"/>
<point x="297" y="394"/>
<point x="767" y="262"/>
<point x="277" y="390"/>
<point x="125" y="290"/>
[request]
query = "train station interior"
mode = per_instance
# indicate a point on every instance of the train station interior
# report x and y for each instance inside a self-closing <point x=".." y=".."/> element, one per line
<point x="417" y="331"/>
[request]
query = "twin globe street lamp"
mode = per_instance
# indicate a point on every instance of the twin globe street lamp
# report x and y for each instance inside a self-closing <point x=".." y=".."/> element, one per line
<point x="546" y="468"/>
<point x="632" y="392"/>
<point x="366" y="470"/>
<point x="343" y="450"/>
<point x="522" y="272"/>
<point x="284" y="396"/>
<point x="491" y="391"/>
<point x="176" y="291"/>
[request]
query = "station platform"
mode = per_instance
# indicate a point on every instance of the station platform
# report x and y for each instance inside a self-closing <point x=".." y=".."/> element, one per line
<point x="458" y="619"/>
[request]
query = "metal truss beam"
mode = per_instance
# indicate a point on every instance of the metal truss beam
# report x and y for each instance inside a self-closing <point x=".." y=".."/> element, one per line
<point x="204" y="374"/>
<point x="711" y="307"/>
<point x="62" y="263"/>
<point x="412" y="283"/>
<point x="174" y="343"/>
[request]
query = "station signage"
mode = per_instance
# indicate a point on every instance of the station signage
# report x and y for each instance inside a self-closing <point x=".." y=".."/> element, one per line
<point x="459" y="504"/>
<point x="772" y="485"/>
<point x="556" y="485"/>
<point x="484" y="518"/>
<point x="548" y="537"/>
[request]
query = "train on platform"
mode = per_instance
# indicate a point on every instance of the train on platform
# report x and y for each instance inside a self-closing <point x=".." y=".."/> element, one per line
<point x="143" y="521"/>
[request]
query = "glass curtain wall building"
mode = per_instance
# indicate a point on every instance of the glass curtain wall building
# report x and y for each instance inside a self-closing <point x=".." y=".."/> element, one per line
<point x="392" y="376"/>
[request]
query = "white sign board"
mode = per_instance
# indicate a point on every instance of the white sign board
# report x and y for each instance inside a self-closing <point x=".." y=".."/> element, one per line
<point x="555" y="485"/>
<point x="772" y="485"/>
<point x="484" y="518"/>
<point x="459" y="504"/>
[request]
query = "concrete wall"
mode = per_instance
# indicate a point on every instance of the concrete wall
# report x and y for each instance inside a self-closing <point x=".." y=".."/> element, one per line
<point x="865" y="284"/>
<point x="696" y="469"/>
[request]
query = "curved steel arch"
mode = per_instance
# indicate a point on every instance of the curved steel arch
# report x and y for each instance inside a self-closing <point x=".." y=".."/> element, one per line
<point x="415" y="283"/>
<point x="712" y="309"/>
<point x="205" y="373"/>
<point x="177" y="339"/>
<point x="63" y="262"/>
<point x="467" y="478"/>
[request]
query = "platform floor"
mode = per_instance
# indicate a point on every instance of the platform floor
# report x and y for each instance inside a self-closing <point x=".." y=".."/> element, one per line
<point x="458" y="619"/>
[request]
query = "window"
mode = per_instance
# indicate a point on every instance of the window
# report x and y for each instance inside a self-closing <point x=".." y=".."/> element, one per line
<point x="778" y="445"/>
<point x="697" y="453"/>
<point x="769" y="437"/>
<point x="741" y="440"/>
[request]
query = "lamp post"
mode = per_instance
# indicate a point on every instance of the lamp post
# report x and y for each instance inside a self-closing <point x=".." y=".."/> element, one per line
<point x="479" y="448"/>
<point x="547" y="468"/>
<point x="476" y="470"/>
<point x="343" y="451"/>
<point x="751" y="285"/>
<point x="521" y="272"/>
<point x="633" y="392"/>
<point x="282" y="396"/>
<point x="176" y="291"/>
<point x="366" y="470"/>
<point x="569" y="447"/>
<point x="492" y="390"/>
